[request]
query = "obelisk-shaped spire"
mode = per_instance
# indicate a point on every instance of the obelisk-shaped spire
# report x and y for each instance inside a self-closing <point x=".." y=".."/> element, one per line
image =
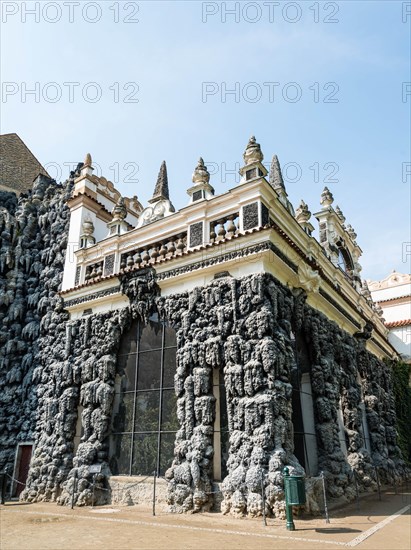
<point x="276" y="177"/>
<point x="161" y="189"/>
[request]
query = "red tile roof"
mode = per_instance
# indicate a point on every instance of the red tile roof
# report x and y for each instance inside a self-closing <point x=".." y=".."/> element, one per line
<point x="392" y="299"/>
<point x="395" y="324"/>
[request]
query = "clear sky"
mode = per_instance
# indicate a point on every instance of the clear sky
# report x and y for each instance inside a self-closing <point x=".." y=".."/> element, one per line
<point x="321" y="84"/>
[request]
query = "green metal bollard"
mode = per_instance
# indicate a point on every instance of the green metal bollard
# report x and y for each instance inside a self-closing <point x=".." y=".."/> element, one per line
<point x="294" y="495"/>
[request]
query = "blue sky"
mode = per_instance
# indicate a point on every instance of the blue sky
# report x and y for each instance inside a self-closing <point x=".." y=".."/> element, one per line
<point x="319" y="84"/>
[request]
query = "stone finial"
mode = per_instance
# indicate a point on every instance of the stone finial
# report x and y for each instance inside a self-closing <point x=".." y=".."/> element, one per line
<point x="340" y="214"/>
<point x="365" y="291"/>
<point x="326" y="198"/>
<point x="87" y="161"/>
<point x="302" y="214"/>
<point x="161" y="188"/>
<point x="88" y="226"/>
<point x="351" y="232"/>
<point x="119" y="212"/>
<point x="252" y="152"/>
<point x="276" y="177"/>
<point x="201" y="174"/>
<point x="135" y="204"/>
<point x="379" y="311"/>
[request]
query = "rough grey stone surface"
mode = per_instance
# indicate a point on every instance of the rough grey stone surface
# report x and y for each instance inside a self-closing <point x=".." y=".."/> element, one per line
<point x="341" y="367"/>
<point x="250" y="215"/>
<point x="33" y="240"/>
<point x="82" y="363"/>
<point x="49" y="366"/>
<point x="243" y="327"/>
<point x="196" y="234"/>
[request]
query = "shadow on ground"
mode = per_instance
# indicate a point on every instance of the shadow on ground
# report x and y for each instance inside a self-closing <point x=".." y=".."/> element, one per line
<point x="337" y="530"/>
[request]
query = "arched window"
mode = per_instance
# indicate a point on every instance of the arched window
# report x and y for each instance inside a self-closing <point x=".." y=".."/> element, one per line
<point x="341" y="260"/>
<point x="344" y="260"/>
<point x="144" y="419"/>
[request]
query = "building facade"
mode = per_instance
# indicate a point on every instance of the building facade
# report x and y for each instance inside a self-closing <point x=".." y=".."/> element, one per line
<point x="393" y="296"/>
<point x="213" y="345"/>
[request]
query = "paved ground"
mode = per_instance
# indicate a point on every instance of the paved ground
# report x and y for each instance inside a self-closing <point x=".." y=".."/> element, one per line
<point x="384" y="524"/>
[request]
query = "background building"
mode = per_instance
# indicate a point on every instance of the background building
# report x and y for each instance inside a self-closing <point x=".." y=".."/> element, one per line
<point x="393" y="295"/>
<point x="18" y="166"/>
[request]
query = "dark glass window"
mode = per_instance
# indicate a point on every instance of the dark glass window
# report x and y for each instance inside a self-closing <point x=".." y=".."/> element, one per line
<point x="305" y="439"/>
<point x="145" y="419"/>
<point x="344" y="260"/>
<point x="221" y="428"/>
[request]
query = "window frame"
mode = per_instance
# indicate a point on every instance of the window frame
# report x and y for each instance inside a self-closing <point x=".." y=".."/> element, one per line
<point x="161" y="390"/>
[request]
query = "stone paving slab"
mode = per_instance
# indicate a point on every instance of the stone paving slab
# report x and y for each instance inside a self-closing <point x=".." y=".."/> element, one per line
<point x="384" y="524"/>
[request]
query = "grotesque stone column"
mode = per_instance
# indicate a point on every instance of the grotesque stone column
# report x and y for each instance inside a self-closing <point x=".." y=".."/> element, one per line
<point x="358" y="456"/>
<point x="239" y="326"/>
<point x="199" y="351"/>
<point x="324" y="340"/>
<point x="97" y="358"/>
<point x="381" y="416"/>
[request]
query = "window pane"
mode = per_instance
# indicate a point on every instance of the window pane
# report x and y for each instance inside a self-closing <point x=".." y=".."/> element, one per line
<point x="224" y="434"/>
<point x="127" y="365"/>
<point x="123" y="420"/>
<point x="223" y="404"/>
<point x="149" y="370"/>
<point x="151" y="336"/>
<point x="120" y="459"/>
<point x="169" y="411"/>
<point x="147" y="411"/>
<point x="169" y="367"/>
<point x="128" y="342"/>
<point x="166" y="451"/>
<point x="138" y="396"/>
<point x="144" y="454"/>
<point x="225" y="438"/>
<point x="170" y="337"/>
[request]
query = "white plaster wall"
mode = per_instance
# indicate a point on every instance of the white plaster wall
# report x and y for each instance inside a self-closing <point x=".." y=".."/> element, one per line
<point x="396" y="312"/>
<point x="76" y="220"/>
<point x="100" y="230"/>
<point x="392" y="292"/>
<point x="201" y="277"/>
<point x="108" y="204"/>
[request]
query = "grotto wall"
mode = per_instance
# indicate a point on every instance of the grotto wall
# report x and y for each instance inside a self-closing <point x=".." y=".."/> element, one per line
<point x="52" y="369"/>
<point x="243" y="327"/>
<point x="33" y="241"/>
<point x="80" y="371"/>
<point x="343" y="375"/>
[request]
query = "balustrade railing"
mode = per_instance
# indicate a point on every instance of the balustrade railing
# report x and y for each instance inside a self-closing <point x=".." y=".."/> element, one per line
<point x="153" y="253"/>
<point x="93" y="271"/>
<point x="224" y="228"/>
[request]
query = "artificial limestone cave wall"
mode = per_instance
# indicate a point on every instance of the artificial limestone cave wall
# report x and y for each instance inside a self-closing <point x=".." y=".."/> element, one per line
<point x="33" y="241"/>
<point x="81" y="370"/>
<point x="51" y="365"/>
<point x="244" y="327"/>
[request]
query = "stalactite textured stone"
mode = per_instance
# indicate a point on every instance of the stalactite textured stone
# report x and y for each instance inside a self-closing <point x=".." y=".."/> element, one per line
<point x="53" y="369"/>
